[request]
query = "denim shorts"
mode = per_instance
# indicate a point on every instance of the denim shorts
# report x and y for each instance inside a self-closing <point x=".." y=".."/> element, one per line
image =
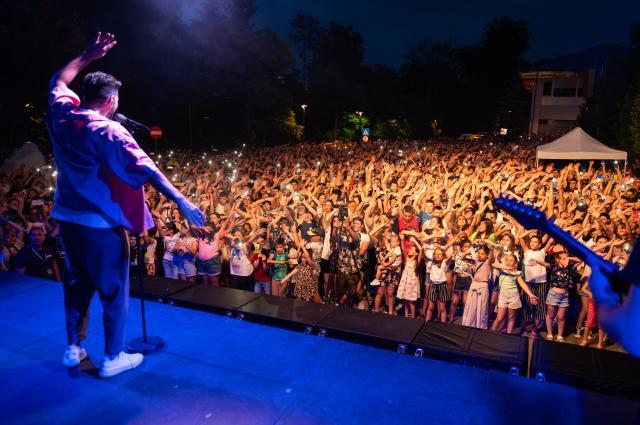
<point x="262" y="288"/>
<point x="210" y="267"/>
<point x="170" y="268"/>
<point x="561" y="299"/>
<point x="187" y="267"/>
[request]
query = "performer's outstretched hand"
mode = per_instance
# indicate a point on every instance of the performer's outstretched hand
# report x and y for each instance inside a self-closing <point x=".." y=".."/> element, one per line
<point x="192" y="213"/>
<point x="100" y="47"/>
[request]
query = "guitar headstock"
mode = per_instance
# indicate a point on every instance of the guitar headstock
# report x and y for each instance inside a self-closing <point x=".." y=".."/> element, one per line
<point x="528" y="216"/>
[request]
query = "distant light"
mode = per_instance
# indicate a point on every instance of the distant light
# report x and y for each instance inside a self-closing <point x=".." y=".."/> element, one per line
<point x="304" y="106"/>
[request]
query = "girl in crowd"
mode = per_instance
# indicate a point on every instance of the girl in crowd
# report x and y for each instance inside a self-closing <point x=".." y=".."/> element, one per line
<point x="388" y="272"/>
<point x="308" y="273"/>
<point x="535" y="275"/>
<point x="563" y="277"/>
<point x="409" y="287"/>
<point x="462" y="268"/>
<point x="170" y="237"/>
<point x="437" y="293"/>
<point x="509" y="278"/>
<point x="279" y="260"/>
<point x="208" y="262"/>
<point x="186" y="249"/>
<point x="476" y="310"/>
<point x="241" y="269"/>
<point x="592" y="320"/>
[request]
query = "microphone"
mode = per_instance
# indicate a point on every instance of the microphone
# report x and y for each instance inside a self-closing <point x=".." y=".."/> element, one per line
<point x="128" y="122"/>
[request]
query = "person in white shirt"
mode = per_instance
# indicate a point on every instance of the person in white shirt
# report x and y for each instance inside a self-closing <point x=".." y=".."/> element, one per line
<point x="535" y="276"/>
<point x="437" y="293"/>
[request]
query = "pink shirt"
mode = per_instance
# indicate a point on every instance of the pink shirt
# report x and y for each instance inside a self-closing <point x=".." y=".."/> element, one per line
<point x="208" y="249"/>
<point x="101" y="168"/>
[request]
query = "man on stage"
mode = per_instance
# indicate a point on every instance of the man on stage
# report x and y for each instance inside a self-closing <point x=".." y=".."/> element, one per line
<point x="99" y="197"/>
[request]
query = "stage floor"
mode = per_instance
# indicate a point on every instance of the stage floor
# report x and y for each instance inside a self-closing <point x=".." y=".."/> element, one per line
<point x="218" y="370"/>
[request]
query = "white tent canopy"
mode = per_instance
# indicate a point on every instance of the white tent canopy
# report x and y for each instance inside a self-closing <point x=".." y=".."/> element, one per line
<point x="578" y="145"/>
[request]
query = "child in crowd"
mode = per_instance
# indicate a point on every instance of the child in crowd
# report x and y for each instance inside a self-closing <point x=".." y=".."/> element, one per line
<point x="307" y="272"/>
<point x="388" y="273"/>
<point x="592" y="320"/>
<point x="437" y="293"/>
<point x="261" y="271"/>
<point x="476" y="310"/>
<point x="462" y="267"/>
<point x="279" y="261"/>
<point x="535" y="275"/>
<point x="185" y="253"/>
<point x="508" y="280"/>
<point x="563" y="277"/>
<point x="409" y="287"/>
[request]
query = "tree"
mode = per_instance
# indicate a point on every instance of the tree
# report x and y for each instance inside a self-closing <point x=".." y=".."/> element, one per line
<point x="430" y="86"/>
<point x="513" y="108"/>
<point x="305" y="37"/>
<point x="36" y="37"/>
<point x="634" y="125"/>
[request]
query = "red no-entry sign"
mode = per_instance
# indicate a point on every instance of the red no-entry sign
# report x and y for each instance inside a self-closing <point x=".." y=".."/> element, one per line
<point x="155" y="133"/>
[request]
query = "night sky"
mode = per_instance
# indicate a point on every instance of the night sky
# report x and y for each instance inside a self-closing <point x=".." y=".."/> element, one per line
<point x="390" y="27"/>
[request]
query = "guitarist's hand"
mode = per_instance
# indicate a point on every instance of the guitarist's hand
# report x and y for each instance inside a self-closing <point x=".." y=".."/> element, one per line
<point x="619" y="321"/>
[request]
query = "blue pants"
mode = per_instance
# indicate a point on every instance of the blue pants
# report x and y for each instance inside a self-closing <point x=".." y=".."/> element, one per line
<point x="96" y="260"/>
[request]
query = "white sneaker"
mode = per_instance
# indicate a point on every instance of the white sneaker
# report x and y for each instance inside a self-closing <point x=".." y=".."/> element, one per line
<point x="73" y="355"/>
<point x="549" y="337"/>
<point x="123" y="362"/>
<point x="560" y="338"/>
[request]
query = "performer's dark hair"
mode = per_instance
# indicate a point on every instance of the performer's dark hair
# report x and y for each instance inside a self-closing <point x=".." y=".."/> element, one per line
<point x="99" y="86"/>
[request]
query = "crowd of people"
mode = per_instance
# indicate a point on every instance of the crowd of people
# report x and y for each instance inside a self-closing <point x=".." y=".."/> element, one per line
<point x="398" y="227"/>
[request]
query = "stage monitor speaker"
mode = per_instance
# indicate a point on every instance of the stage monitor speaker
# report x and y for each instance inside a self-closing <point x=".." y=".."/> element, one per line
<point x="287" y="313"/>
<point x="366" y="327"/>
<point x="472" y="347"/>
<point x="585" y="367"/>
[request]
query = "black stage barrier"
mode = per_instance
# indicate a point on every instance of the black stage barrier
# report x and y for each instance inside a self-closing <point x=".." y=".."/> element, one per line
<point x="605" y="371"/>
<point x="473" y="347"/>
<point x="287" y="313"/>
<point x="212" y="298"/>
<point x="366" y="327"/>
<point x="158" y="289"/>
<point x="599" y="370"/>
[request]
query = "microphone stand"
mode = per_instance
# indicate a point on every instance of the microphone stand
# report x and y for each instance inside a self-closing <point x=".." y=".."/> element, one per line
<point x="145" y="344"/>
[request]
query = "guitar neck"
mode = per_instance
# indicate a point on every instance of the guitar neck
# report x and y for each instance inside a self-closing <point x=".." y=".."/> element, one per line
<point x="577" y="248"/>
<point x="619" y="281"/>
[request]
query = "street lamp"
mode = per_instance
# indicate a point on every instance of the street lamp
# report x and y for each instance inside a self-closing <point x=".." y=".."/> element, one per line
<point x="359" y="124"/>
<point x="304" y="107"/>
